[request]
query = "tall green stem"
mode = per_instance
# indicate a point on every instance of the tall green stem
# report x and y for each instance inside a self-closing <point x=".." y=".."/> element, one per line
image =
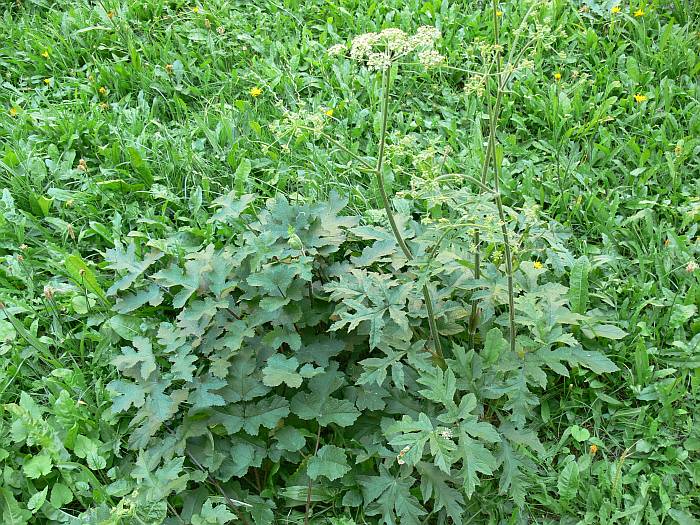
<point x="390" y="214"/>
<point x="496" y="179"/>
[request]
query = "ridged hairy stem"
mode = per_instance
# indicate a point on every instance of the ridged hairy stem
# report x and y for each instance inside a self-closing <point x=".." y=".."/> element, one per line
<point x="390" y="214"/>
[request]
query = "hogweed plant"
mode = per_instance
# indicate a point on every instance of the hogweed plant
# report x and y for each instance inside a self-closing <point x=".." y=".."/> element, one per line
<point x="291" y="341"/>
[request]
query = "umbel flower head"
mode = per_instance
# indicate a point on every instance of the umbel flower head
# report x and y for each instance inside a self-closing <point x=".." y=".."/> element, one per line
<point x="379" y="50"/>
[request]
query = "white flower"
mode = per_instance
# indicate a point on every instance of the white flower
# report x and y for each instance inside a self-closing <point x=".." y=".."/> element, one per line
<point x="379" y="61"/>
<point x="427" y="34"/>
<point x="691" y="267"/>
<point x="362" y="45"/>
<point x="396" y="40"/>
<point x="447" y="433"/>
<point x="337" y="49"/>
<point x="430" y="58"/>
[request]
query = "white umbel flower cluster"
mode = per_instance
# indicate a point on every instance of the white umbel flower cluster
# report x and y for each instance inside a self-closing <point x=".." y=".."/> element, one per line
<point x="378" y="50"/>
<point x="337" y="49"/>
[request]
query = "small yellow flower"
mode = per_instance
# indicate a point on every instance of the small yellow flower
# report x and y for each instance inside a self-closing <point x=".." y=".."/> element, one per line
<point x="329" y="112"/>
<point x="638" y="13"/>
<point x="593" y="449"/>
<point x="104" y="105"/>
<point x="45" y="53"/>
<point x="102" y="90"/>
<point x="499" y="13"/>
<point x="195" y="10"/>
<point x="110" y="15"/>
<point x="537" y="265"/>
<point x="640" y="98"/>
<point x="13" y="112"/>
<point x="255" y="92"/>
<point x="47" y="81"/>
<point x="169" y="68"/>
<point x="557" y="76"/>
<point x="615" y="9"/>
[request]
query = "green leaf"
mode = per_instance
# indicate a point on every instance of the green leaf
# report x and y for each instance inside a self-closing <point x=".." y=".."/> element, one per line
<point x="126" y="394"/>
<point x="213" y="515"/>
<point x="10" y="510"/>
<point x="494" y="345"/>
<point x="391" y="498"/>
<point x="568" y="480"/>
<point x="140" y="165"/>
<point x="60" y="495"/>
<point x="38" y="466"/>
<point x="580" y="434"/>
<point x="475" y="458"/>
<point x="38" y="499"/>
<point x="127" y="261"/>
<point x="607" y="331"/>
<point x="330" y="462"/>
<point x="511" y="482"/>
<point x="81" y="273"/>
<point x="681" y="314"/>
<point x="126" y="326"/>
<point x="202" y="395"/>
<point x="325" y="410"/>
<point x="86" y="448"/>
<point x="241" y="175"/>
<point x="682" y="517"/>
<point x="320" y="406"/>
<point x="280" y="370"/>
<point x="290" y="439"/>
<point x="591" y="359"/>
<point x="7" y="331"/>
<point x="152" y="295"/>
<point x="230" y="207"/>
<point x="578" y="285"/>
<point x="137" y="361"/>
<point x="435" y="484"/>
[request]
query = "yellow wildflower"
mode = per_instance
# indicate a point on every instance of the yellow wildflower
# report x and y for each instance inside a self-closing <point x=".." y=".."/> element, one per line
<point x="102" y="90"/>
<point x="499" y="13"/>
<point x="195" y="10"/>
<point x="329" y="112"/>
<point x="13" y="112"/>
<point x="640" y="98"/>
<point x="557" y="76"/>
<point x="593" y="449"/>
<point x="45" y="53"/>
<point x="169" y="68"/>
<point x="638" y="13"/>
<point x="255" y="92"/>
<point x="110" y="14"/>
<point x="47" y="81"/>
<point x="615" y="9"/>
<point x="537" y="265"/>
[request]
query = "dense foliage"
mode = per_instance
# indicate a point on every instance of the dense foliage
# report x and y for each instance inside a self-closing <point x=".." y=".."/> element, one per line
<point x="247" y="280"/>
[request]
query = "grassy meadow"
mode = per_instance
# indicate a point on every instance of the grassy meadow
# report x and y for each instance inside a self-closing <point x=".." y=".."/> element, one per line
<point x="349" y="262"/>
